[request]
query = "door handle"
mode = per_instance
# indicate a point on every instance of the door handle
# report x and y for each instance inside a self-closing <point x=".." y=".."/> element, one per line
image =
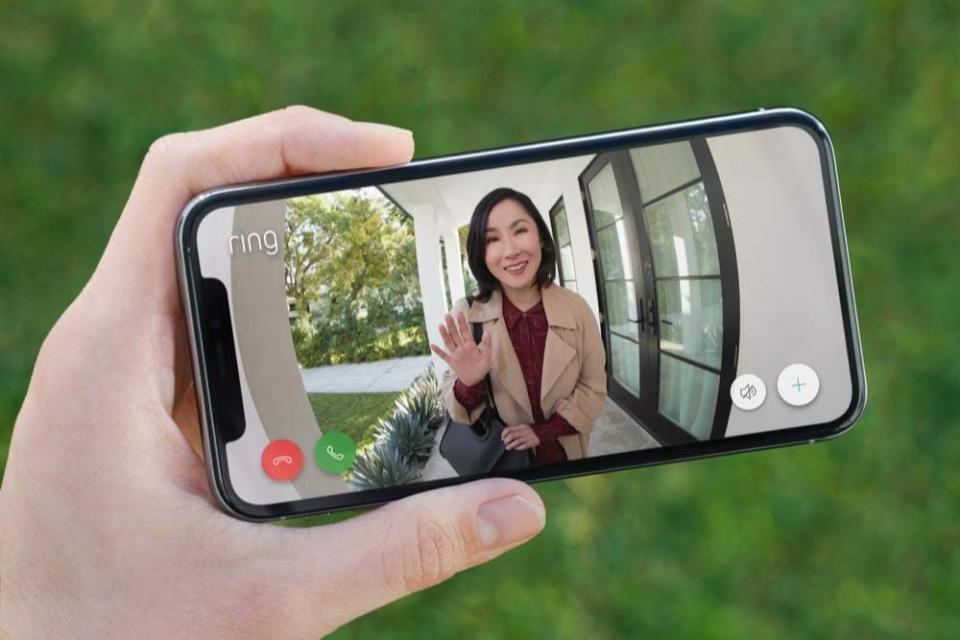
<point x="653" y="316"/>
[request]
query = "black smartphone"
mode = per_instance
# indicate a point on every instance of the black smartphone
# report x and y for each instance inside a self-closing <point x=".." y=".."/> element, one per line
<point x="651" y="295"/>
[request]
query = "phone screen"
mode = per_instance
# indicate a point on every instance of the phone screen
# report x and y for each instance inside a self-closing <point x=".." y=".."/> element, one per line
<point x="683" y="292"/>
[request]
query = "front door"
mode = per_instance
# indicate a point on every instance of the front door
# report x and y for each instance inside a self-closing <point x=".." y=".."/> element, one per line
<point x="665" y="268"/>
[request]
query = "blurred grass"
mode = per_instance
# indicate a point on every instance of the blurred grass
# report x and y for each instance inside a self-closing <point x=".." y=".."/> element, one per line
<point x="854" y="538"/>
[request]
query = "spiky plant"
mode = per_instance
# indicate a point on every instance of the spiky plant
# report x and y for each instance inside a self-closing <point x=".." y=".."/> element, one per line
<point x="422" y="401"/>
<point x="380" y="466"/>
<point x="411" y="438"/>
<point x="403" y="440"/>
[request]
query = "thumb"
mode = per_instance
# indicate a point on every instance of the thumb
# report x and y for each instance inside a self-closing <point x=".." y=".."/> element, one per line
<point x="364" y="563"/>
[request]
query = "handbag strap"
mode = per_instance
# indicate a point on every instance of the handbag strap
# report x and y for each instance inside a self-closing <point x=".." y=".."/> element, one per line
<point x="477" y="337"/>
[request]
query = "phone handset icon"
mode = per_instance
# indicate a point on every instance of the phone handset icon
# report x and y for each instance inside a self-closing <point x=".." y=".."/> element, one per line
<point x="335" y="452"/>
<point x="282" y="460"/>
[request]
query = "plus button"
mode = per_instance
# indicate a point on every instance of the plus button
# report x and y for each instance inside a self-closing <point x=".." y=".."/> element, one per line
<point x="798" y="384"/>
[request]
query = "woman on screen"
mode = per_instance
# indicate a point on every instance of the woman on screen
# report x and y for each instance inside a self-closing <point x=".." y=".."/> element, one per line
<point x="541" y="344"/>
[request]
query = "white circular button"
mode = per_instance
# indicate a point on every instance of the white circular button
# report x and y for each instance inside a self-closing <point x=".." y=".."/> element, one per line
<point x="748" y="392"/>
<point x="798" y="385"/>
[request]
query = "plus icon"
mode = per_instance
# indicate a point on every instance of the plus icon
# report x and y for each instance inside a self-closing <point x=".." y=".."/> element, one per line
<point x="798" y="384"/>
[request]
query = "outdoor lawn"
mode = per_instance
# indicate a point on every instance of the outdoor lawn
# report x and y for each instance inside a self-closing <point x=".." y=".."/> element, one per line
<point x="352" y="413"/>
<point x="853" y="538"/>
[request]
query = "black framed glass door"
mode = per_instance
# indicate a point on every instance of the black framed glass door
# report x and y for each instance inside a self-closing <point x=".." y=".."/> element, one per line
<point x="665" y="268"/>
<point x="619" y="257"/>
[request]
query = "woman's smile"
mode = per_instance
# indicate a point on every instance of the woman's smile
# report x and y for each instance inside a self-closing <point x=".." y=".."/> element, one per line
<point x="516" y="268"/>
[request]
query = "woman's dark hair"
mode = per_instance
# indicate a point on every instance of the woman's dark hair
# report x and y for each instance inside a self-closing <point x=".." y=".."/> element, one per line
<point x="477" y="242"/>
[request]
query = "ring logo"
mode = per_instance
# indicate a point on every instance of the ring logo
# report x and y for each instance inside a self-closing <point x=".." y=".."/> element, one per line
<point x="266" y="241"/>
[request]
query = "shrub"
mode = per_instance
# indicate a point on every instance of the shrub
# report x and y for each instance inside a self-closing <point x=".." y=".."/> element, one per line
<point x="381" y="465"/>
<point x="410" y="438"/>
<point x="403" y="440"/>
<point x="422" y="400"/>
<point x="326" y="343"/>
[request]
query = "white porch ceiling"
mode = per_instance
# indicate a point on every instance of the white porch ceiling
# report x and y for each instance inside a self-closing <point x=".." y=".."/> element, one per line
<point x="453" y="198"/>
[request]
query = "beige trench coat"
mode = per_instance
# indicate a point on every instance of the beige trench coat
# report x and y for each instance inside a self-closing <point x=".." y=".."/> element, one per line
<point x="574" y="380"/>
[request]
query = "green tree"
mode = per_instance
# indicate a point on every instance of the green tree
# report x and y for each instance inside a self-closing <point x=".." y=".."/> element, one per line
<point x="351" y="274"/>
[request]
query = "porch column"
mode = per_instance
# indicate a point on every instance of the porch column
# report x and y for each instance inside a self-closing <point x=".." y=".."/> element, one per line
<point x="451" y="251"/>
<point x="429" y="270"/>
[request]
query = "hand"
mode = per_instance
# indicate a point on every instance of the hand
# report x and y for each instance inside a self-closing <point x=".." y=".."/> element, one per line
<point x="107" y="527"/>
<point x="519" y="437"/>
<point x="469" y="361"/>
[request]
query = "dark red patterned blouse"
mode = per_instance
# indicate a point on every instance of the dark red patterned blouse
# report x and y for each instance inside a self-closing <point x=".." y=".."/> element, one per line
<point x="528" y="334"/>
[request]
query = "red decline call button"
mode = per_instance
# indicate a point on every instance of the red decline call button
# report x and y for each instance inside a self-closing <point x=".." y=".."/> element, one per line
<point x="282" y="460"/>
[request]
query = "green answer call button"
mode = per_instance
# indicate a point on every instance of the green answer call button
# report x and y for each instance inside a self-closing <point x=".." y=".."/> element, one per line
<point x="335" y="452"/>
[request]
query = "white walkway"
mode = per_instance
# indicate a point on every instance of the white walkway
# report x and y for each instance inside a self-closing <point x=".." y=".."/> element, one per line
<point x="394" y="374"/>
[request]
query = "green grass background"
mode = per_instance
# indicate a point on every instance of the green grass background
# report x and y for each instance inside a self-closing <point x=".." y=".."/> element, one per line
<point x="855" y="538"/>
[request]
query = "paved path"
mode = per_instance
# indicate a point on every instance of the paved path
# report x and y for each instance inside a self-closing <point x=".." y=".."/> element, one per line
<point x="616" y="431"/>
<point x="395" y="374"/>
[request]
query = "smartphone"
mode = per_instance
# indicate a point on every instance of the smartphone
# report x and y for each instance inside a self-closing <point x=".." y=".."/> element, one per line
<point x="695" y="300"/>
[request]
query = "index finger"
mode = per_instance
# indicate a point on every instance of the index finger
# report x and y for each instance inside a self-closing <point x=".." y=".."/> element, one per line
<point x="292" y="141"/>
<point x="464" y="327"/>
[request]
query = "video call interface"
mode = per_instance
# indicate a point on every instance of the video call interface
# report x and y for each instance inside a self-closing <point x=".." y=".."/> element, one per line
<point x="706" y="265"/>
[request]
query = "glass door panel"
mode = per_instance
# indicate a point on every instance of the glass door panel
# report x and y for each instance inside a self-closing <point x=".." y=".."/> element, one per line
<point x="691" y="319"/>
<point x="689" y="306"/>
<point x="560" y="222"/>
<point x="625" y="358"/>
<point x="681" y="235"/>
<point x="613" y="244"/>
<point x="622" y="308"/>
<point x="605" y="198"/>
<point x="561" y="230"/>
<point x="688" y="395"/>
<point x="617" y="257"/>
<point x="663" y="168"/>
<point x="566" y="268"/>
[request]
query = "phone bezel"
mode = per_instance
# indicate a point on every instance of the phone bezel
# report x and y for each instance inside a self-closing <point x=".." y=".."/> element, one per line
<point x="188" y="268"/>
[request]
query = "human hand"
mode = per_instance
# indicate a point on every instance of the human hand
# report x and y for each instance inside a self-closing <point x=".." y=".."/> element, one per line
<point x="469" y="361"/>
<point x="520" y="437"/>
<point x="107" y="527"/>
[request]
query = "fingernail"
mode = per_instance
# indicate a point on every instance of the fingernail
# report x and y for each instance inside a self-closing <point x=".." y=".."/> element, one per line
<point x="507" y="520"/>
<point x="380" y="128"/>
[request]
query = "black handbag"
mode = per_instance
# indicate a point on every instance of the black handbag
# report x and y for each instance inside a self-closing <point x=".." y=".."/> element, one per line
<point x="477" y="448"/>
